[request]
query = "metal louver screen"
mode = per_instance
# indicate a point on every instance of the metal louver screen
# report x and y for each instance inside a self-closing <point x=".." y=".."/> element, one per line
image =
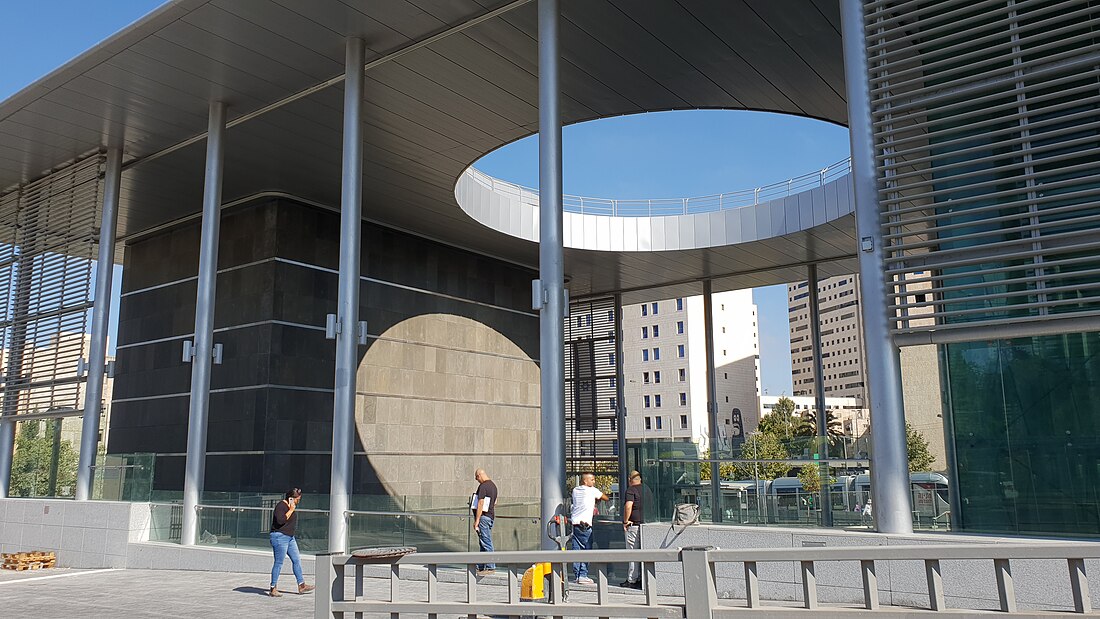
<point x="591" y="433"/>
<point x="986" y="118"/>
<point x="48" y="230"/>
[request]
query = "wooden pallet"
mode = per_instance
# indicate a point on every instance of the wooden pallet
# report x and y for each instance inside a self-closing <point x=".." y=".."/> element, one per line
<point x="20" y="561"/>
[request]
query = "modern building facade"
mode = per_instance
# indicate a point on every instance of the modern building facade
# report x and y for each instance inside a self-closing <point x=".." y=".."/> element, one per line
<point x="841" y="338"/>
<point x="664" y="362"/>
<point x="969" y="215"/>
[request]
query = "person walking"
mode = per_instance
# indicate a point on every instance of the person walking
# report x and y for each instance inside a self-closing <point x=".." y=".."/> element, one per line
<point x="283" y="522"/>
<point x="584" y="507"/>
<point x="633" y="518"/>
<point x="483" y="504"/>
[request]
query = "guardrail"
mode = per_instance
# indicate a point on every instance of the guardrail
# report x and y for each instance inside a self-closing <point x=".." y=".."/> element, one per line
<point x="697" y="569"/>
<point x="659" y="207"/>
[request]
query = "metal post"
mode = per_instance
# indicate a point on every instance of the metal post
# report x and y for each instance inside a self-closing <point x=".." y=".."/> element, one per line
<point x="14" y="378"/>
<point x="347" y="311"/>
<point x="819" y="395"/>
<point x="620" y="397"/>
<point x="101" y="313"/>
<point x="712" y="403"/>
<point x="195" y="472"/>
<point x="889" y="462"/>
<point x="551" y="270"/>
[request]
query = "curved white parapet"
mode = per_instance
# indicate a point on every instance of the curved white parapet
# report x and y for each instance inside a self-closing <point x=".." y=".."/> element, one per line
<point x="514" y="210"/>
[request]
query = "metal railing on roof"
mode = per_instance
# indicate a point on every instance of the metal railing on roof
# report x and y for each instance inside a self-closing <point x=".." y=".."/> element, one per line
<point x="662" y="207"/>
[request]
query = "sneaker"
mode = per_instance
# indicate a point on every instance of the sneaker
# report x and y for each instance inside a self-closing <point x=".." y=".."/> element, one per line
<point x="637" y="584"/>
<point x="304" y="588"/>
<point x="584" y="580"/>
<point x="486" y="572"/>
<point x="274" y="592"/>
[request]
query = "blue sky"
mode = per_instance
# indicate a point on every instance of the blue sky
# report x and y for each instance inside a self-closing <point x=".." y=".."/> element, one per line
<point x="659" y="155"/>
<point x="690" y="153"/>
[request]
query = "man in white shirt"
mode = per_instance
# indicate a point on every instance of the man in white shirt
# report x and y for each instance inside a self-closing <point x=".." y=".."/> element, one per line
<point x="584" y="507"/>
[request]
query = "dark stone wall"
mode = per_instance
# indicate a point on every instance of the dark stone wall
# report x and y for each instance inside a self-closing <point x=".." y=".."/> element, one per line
<point x="271" y="399"/>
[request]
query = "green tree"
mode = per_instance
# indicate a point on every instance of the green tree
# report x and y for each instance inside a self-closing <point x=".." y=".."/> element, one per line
<point x="810" y="476"/>
<point x="781" y="421"/>
<point x="762" y="446"/>
<point x="31" y="467"/>
<point x="920" y="458"/>
<point x="807" y="424"/>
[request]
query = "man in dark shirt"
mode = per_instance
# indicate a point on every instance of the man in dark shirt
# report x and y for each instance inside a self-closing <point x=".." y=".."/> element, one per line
<point x="633" y="518"/>
<point x="283" y="522"/>
<point x="483" y="505"/>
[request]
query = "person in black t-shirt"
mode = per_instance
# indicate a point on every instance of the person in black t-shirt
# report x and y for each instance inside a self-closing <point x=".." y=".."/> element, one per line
<point x="283" y="522"/>
<point x="483" y="505"/>
<point x="633" y="518"/>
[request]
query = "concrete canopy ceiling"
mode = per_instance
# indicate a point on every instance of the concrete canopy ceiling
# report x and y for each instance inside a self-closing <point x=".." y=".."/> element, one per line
<point x="429" y="113"/>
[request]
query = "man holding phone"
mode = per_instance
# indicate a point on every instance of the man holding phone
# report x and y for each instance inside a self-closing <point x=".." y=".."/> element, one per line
<point x="283" y="522"/>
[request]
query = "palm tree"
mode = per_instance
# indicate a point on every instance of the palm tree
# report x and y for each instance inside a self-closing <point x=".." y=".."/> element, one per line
<point x="806" y="425"/>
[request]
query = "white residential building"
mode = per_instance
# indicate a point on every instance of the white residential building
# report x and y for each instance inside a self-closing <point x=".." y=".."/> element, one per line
<point x="664" y="364"/>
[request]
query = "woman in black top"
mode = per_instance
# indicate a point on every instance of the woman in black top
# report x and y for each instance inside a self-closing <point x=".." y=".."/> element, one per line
<point x="283" y="543"/>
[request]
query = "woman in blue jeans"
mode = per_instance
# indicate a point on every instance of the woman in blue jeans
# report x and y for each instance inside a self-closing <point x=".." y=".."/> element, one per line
<point x="283" y="543"/>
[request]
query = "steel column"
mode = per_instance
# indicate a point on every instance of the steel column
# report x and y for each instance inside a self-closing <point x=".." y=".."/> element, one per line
<point x="101" y="314"/>
<point x="7" y="452"/>
<point x="889" y="462"/>
<point x="712" y="402"/>
<point x="551" y="270"/>
<point x="17" y="344"/>
<point x="620" y="397"/>
<point x="819" y="393"/>
<point x="347" y="311"/>
<point x="201" y="363"/>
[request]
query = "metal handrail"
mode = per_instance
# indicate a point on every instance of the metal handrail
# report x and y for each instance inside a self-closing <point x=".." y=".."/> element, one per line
<point x="698" y="570"/>
<point x="658" y="207"/>
<point x="242" y="508"/>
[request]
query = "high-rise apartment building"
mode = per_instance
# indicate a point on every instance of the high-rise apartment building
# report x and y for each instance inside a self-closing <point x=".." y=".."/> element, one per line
<point x="664" y="364"/>
<point x="841" y="338"/>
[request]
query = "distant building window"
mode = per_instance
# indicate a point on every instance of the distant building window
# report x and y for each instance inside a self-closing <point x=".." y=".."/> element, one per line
<point x="610" y="315"/>
<point x="654" y="308"/>
<point x="613" y="403"/>
<point x="683" y="399"/>
<point x="680" y="351"/>
<point x="657" y="377"/>
<point x="645" y="310"/>
<point x="645" y="401"/>
<point x="680" y="304"/>
<point x="683" y="422"/>
<point x="648" y="423"/>
<point x="723" y="329"/>
<point x="679" y="326"/>
<point x="645" y="333"/>
<point x="658" y="422"/>
<point x="656" y="331"/>
<point x="657" y="401"/>
<point x="645" y="378"/>
<point x="610" y="358"/>
<point x="723" y="352"/>
<point x="726" y="375"/>
<point x="645" y="354"/>
<point x="656" y="354"/>
<point x="683" y="374"/>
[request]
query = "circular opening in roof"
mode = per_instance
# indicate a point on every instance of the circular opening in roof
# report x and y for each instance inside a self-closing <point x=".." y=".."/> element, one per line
<point x="678" y="154"/>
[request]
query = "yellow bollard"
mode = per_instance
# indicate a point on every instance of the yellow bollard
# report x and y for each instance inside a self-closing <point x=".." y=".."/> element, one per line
<point x="532" y="586"/>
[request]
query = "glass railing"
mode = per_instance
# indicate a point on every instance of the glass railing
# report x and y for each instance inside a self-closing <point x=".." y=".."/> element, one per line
<point x="773" y="498"/>
<point x="250" y="527"/>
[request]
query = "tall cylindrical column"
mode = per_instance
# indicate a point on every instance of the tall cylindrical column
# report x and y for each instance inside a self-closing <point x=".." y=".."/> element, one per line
<point x="347" y="309"/>
<point x="201" y="363"/>
<point x="101" y="314"/>
<point x="551" y="270"/>
<point x="819" y="393"/>
<point x="712" y="402"/>
<point x="620" y="401"/>
<point x="889" y="462"/>
<point x="17" y="344"/>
